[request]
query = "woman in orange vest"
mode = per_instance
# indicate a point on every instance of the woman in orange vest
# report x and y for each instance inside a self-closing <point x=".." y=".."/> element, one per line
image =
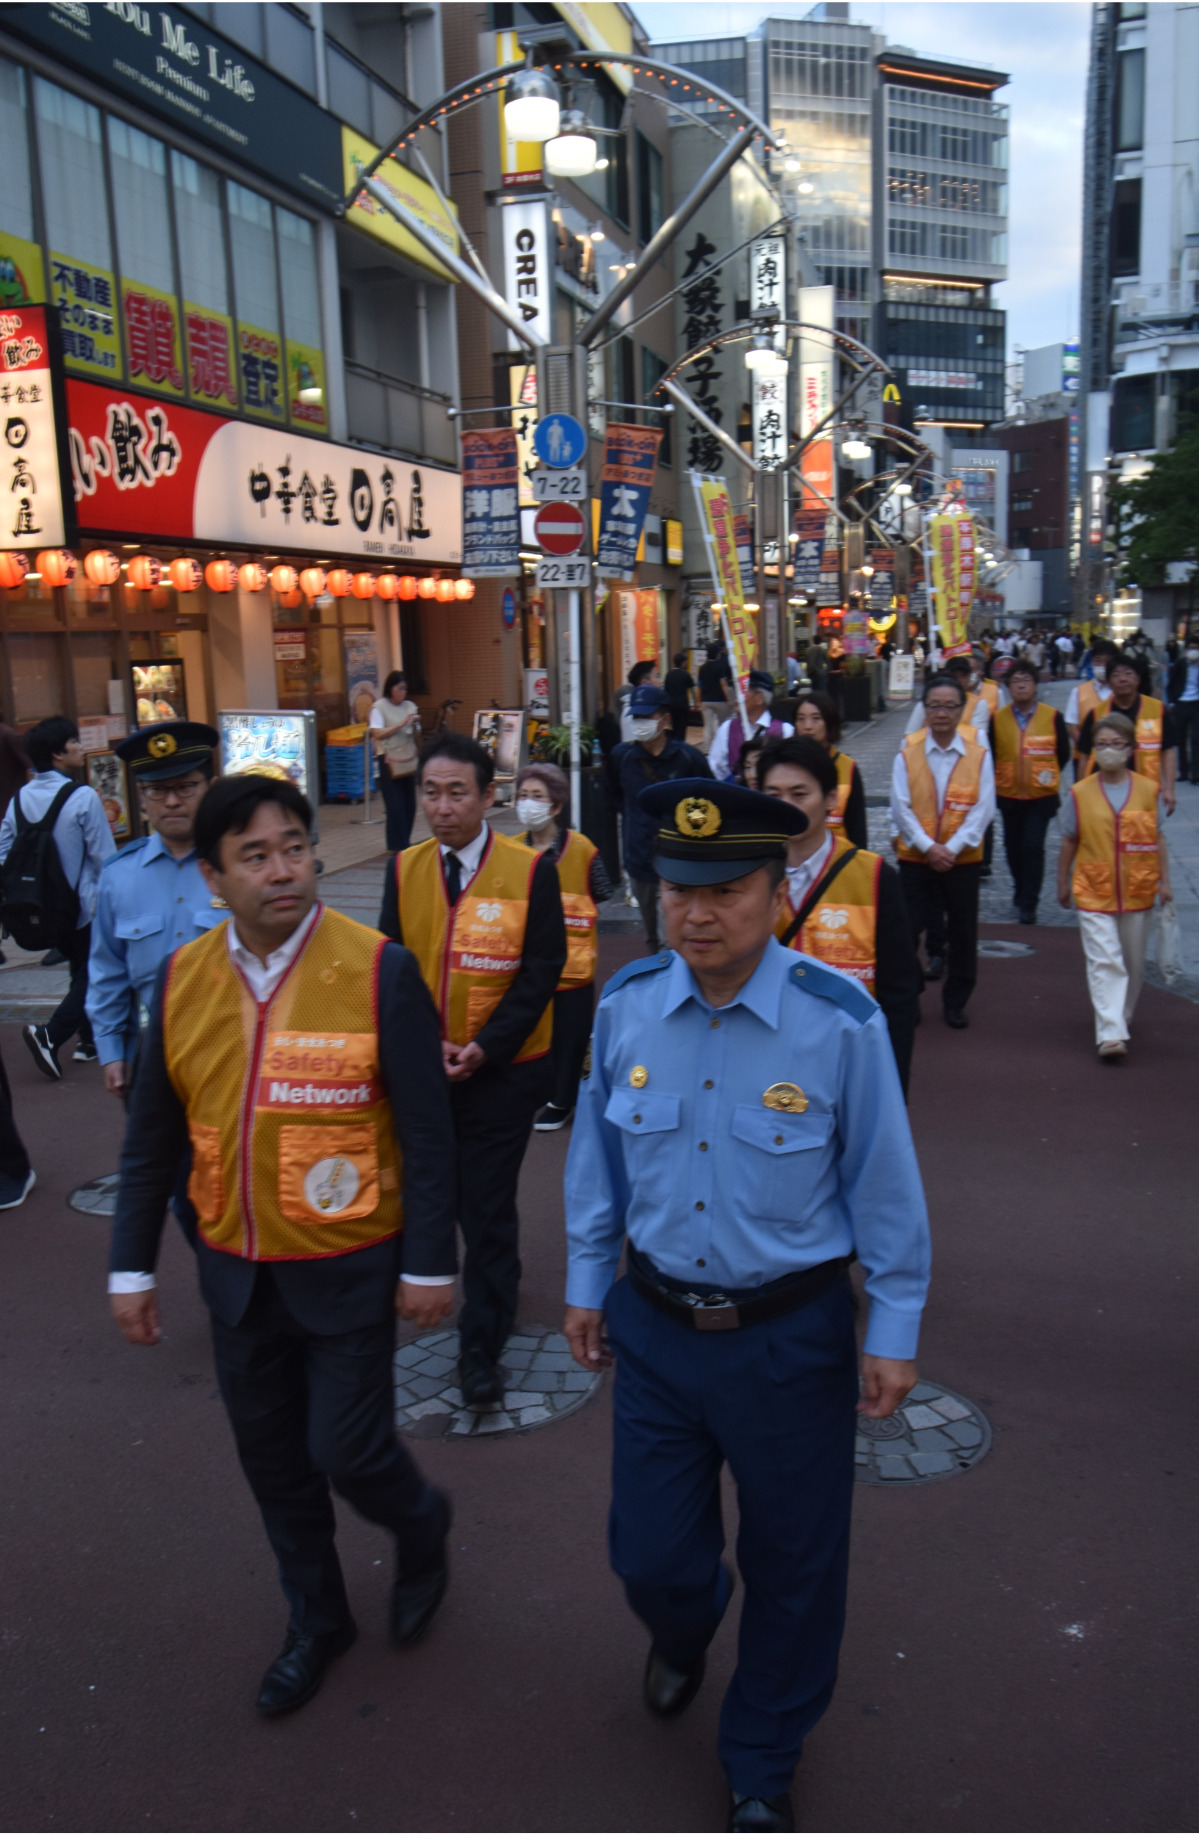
<point x="542" y="795"/>
<point x="1156" y="754"/>
<point x="1114" y="861"/>
<point x="845" y="904"/>
<point x="818" y="716"/>
<point x="1031" y="746"/>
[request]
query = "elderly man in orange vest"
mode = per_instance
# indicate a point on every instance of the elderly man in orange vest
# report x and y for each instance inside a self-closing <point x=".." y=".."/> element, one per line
<point x="942" y="799"/>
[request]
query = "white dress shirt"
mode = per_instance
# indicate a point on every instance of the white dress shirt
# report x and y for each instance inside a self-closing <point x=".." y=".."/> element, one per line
<point x="718" y="753"/>
<point x="470" y="855"/>
<point x="802" y="879"/>
<point x="1073" y="713"/>
<point x="941" y="762"/>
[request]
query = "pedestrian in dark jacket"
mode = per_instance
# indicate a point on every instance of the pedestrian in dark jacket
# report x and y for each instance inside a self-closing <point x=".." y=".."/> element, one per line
<point x="650" y="757"/>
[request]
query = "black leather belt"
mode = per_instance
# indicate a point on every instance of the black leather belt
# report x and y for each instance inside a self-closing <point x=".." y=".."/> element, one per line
<point x="720" y="1310"/>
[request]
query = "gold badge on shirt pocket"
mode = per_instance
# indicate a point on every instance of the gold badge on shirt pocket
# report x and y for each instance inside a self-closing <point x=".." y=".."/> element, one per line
<point x="638" y="1077"/>
<point x="784" y="1097"/>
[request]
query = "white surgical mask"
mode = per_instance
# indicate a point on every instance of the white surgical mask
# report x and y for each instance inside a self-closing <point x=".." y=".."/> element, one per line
<point x="1111" y="757"/>
<point x="532" y="812"/>
<point x="1100" y="671"/>
<point x="644" y="727"/>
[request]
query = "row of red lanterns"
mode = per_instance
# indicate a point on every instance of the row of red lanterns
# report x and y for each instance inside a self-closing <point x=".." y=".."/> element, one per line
<point x="58" y="567"/>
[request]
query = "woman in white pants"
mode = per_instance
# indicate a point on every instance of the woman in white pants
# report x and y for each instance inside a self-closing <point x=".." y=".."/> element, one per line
<point x="1114" y="861"/>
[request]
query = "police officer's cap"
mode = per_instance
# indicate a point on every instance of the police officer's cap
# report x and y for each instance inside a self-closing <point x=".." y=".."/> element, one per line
<point x="168" y="750"/>
<point x="710" y="832"/>
<point x="647" y="699"/>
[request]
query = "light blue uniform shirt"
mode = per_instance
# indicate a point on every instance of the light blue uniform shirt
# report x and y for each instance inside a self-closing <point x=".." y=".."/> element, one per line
<point x="148" y="902"/>
<point x="712" y="1185"/>
<point x="81" y="832"/>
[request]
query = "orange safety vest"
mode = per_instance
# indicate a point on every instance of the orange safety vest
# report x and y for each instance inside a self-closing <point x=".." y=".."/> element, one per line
<point x="579" y="910"/>
<point x="1026" y="758"/>
<point x="842" y="927"/>
<point x="469" y="965"/>
<point x="1117" y="867"/>
<point x="836" y="817"/>
<point x="1091" y="698"/>
<point x="989" y="692"/>
<point x="961" y="795"/>
<point x="1147" y="759"/>
<point x="293" y="1146"/>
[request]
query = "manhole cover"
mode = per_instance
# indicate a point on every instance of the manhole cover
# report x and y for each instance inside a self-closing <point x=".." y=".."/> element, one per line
<point x="98" y="1196"/>
<point x="935" y="1434"/>
<point x="1005" y="948"/>
<point x="543" y="1384"/>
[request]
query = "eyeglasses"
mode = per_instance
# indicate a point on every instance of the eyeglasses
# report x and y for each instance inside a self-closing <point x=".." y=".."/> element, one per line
<point x="943" y="708"/>
<point x="158" y="794"/>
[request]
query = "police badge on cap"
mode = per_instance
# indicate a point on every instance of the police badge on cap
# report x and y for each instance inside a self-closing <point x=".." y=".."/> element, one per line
<point x="711" y="832"/>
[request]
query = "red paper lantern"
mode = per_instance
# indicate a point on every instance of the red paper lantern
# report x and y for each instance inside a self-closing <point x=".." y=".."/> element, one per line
<point x="363" y="586"/>
<point x="406" y="589"/>
<point x="284" y="580"/>
<point x="221" y="577"/>
<point x="101" y="567"/>
<point x="387" y="587"/>
<point x="160" y="599"/>
<point x="56" y="567"/>
<point x="312" y="580"/>
<point x="185" y="574"/>
<point x="445" y="591"/>
<point x="292" y="599"/>
<point x="426" y="587"/>
<point x="14" y="566"/>
<point x="464" y="590"/>
<point x="337" y="583"/>
<point x="145" y="572"/>
<point x="251" y="577"/>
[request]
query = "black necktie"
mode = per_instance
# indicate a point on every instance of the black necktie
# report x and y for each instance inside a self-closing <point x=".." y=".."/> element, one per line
<point x="453" y="878"/>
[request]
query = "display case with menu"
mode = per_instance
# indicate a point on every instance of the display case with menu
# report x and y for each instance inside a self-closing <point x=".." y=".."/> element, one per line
<point x="278" y="742"/>
<point x="159" y="691"/>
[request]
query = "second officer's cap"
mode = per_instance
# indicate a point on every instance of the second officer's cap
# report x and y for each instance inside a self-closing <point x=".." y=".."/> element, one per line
<point x="709" y="832"/>
<point x="168" y="750"/>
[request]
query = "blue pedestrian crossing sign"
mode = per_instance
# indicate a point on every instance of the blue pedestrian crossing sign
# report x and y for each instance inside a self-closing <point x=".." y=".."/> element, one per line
<point x="560" y="441"/>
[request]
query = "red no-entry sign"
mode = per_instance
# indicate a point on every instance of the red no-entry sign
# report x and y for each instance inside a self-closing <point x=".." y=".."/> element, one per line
<point x="560" y="529"/>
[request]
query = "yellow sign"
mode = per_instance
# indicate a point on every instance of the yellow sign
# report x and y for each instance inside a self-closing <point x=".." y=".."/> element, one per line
<point x="952" y="553"/>
<point x="891" y="393"/>
<point x="260" y="365"/>
<point x="416" y="195"/>
<point x="306" y="386"/>
<point x="716" y="514"/>
<point x="522" y="391"/>
<point x="152" y="337"/>
<point x="22" y="276"/>
<point x="86" y="299"/>
<point x="211" y="371"/>
<point x="674" y="543"/>
<point x="602" y="26"/>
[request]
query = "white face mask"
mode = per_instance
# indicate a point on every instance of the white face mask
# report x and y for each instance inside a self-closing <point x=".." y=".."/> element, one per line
<point x="1100" y="671"/>
<point x="1111" y="757"/>
<point x="532" y="812"/>
<point x="644" y="727"/>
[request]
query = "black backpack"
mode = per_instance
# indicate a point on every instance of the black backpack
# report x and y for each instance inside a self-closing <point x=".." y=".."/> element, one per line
<point x="38" y="905"/>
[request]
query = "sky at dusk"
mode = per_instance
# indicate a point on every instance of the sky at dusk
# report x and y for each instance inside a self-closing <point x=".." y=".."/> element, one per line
<point x="1042" y="45"/>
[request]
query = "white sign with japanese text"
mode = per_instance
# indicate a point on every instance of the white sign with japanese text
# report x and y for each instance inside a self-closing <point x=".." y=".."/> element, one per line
<point x="528" y="271"/>
<point x="33" y="510"/>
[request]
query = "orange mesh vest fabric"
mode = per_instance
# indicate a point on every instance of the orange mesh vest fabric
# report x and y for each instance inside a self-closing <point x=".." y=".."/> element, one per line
<point x="1116" y="869"/>
<point x="961" y="795"/>
<point x="469" y="966"/>
<point x="842" y="927"/>
<point x="293" y="1150"/>
<point x="1026" y="758"/>
<point x="836" y="817"/>
<point x="1148" y="757"/>
<point x="989" y="692"/>
<point x="579" y="910"/>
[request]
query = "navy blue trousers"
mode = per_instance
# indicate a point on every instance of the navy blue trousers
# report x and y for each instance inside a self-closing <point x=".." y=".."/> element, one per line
<point x="776" y="1401"/>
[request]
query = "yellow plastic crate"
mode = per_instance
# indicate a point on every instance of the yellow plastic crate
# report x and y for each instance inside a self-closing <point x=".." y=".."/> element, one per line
<point x="349" y="736"/>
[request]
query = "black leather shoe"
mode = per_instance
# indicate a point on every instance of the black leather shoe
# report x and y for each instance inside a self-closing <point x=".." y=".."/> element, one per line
<point x="480" y="1382"/>
<point x="755" y="1815"/>
<point x="416" y="1594"/>
<point x="1028" y="916"/>
<point x="956" y="1018"/>
<point x="669" y="1690"/>
<point x="300" y="1668"/>
<point x="935" y="971"/>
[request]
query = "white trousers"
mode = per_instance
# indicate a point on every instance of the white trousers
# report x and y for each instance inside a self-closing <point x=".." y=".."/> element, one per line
<point x="1115" y="946"/>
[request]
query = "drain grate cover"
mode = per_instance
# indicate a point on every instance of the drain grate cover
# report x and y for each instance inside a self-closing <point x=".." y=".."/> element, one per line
<point x="934" y="1435"/>
<point x="1005" y="948"/>
<point x="98" y="1197"/>
<point x="543" y="1384"/>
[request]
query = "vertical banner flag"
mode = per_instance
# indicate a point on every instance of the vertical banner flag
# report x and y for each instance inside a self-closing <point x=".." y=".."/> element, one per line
<point x="817" y="463"/>
<point x="716" y="520"/>
<point x="34" y="418"/>
<point x="629" y="457"/>
<point x="528" y="269"/>
<point x="809" y="548"/>
<point x="647" y="626"/>
<point x="768" y="293"/>
<point x="882" y="582"/>
<point x="490" y="515"/>
<point x="950" y="542"/>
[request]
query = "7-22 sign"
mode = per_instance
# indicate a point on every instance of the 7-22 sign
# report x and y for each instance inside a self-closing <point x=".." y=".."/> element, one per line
<point x="563" y="571"/>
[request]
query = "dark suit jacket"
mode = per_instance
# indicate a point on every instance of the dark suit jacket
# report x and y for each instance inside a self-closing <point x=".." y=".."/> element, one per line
<point x="326" y="1295"/>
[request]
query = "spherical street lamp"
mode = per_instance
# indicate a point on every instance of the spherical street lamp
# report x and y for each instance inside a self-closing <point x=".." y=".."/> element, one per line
<point x="764" y="359"/>
<point x="572" y="153"/>
<point x="531" y="109"/>
<point x="856" y="449"/>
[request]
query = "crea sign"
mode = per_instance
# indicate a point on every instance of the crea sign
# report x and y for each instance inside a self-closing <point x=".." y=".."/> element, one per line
<point x="151" y="469"/>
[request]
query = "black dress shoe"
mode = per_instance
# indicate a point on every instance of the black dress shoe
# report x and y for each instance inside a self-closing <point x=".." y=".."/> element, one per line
<point x="935" y="971"/>
<point x="291" y="1681"/>
<point x="669" y="1690"/>
<point x="416" y="1593"/>
<point x="1028" y="916"/>
<point x="956" y="1018"/>
<point x="479" y="1381"/>
<point x="753" y="1814"/>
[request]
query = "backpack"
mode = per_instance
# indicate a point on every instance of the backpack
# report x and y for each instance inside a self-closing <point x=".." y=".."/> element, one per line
<point x="38" y="905"/>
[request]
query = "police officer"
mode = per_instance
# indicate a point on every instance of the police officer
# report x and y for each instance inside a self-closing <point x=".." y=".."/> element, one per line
<point x="152" y="896"/>
<point x="743" y="1125"/>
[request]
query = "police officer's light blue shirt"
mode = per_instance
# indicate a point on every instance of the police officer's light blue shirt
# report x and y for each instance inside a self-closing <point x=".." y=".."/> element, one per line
<point x="148" y="902"/>
<point x="712" y="1185"/>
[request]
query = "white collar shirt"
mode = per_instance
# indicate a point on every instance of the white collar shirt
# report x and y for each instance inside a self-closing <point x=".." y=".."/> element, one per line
<point x="941" y="762"/>
<point x="470" y="855"/>
<point x="264" y="979"/>
<point x="803" y="878"/>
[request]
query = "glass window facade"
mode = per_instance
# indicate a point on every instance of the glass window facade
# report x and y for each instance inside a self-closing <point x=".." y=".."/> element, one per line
<point x="71" y="153"/>
<point x="16" y="210"/>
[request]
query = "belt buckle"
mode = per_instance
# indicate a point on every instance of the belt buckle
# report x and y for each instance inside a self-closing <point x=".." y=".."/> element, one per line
<point x="714" y="1317"/>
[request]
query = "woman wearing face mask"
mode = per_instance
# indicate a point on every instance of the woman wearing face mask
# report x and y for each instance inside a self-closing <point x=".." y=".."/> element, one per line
<point x="1113" y="841"/>
<point x="1182" y="694"/>
<point x="817" y="715"/>
<point x="542" y="795"/>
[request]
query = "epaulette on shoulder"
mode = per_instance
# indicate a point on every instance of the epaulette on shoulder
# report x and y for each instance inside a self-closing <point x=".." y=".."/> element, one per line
<point x="816" y="979"/>
<point x="127" y="852"/>
<point x="640" y="967"/>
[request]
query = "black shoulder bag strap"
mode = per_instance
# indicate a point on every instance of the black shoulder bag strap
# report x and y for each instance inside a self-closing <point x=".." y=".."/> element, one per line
<point x="818" y="892"/>
<point x="49" y="817"/>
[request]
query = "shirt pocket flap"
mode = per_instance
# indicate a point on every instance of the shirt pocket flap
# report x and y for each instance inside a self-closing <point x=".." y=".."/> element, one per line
<point x="780" y="1133"/>
<point x="641" y="1113"/>
<point x="140" y="927"/>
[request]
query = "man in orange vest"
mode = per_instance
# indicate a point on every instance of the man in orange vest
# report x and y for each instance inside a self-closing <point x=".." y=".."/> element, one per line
<point x="1113" y="842"/>
<point x="483" y="915"/>
<point x="845" y="904"/>
<point x="301" y="1055"/>
<point x="1156" y="754"/>
<point x="942" y="799"/>
<point x="1031" y="746"/>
